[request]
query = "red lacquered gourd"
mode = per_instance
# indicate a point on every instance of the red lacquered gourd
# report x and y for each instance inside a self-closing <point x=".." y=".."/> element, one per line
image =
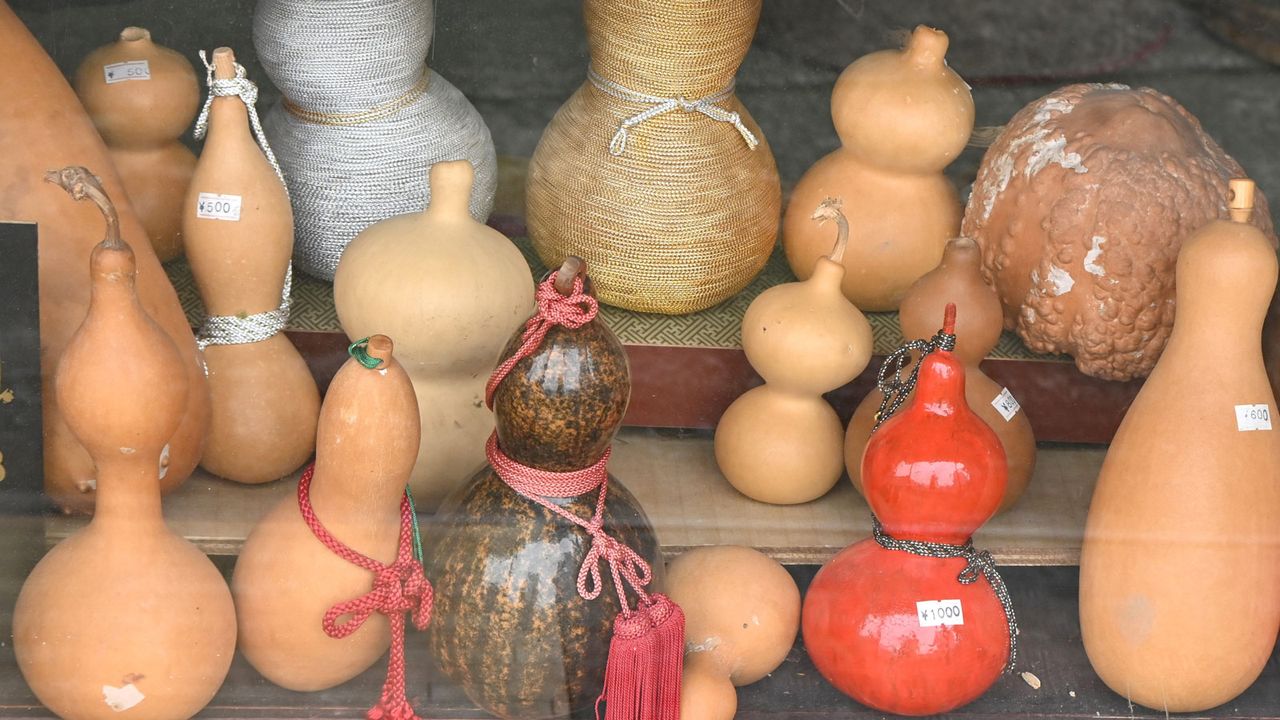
<point x="869" y="638"/>
<point x="935" y="471"/>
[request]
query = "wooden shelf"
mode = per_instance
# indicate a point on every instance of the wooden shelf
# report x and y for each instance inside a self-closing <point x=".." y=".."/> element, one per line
<point x="674" y="476"/>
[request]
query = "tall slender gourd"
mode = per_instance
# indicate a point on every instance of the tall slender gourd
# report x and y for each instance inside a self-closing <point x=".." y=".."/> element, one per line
<point x="451" y="291"/>
<point x="1180" y="569"/>
<point x="124" y="614"/>
<point x="42" y="126"/>
<point x="142" y="98"/>
<point x="781" y="442"/>
<point x="285" y="579"/>
<point x="239" y="230"/>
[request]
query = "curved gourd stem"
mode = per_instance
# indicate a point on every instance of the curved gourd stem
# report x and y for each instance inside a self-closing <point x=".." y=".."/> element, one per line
<point x="829" y="209"/>
<point x="1241" y="199"/>
<point x="572" y="267"/>
<point x="82" y="184"/>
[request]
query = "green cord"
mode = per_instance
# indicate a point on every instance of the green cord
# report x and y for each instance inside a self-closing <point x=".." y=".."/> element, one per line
<point x="417" y="536"/>
<point x="357" y="350"/>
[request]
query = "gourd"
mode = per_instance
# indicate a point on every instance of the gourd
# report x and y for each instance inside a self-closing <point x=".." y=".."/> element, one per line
<point x="124" y="614"/>
<point x="1180" y="567"/>
<point x="265" y="401"/>
<point x="781" y="442"/>
<point x="42" y="126"/>
<point x="1080" y="207"/>
<point x="142" y="97"/>
<point x="451" y="290"/>
<point x="742" y="612"/>
<point x="285" y="579"/>
<point x="902" y="117"/>
<point x="958" y="280"/>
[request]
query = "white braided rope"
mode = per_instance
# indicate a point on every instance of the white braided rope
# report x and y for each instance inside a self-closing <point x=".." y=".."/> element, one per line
<point x="661" y="105"/>
<point x="236" y="329"/>
<point x="339" y="59"/>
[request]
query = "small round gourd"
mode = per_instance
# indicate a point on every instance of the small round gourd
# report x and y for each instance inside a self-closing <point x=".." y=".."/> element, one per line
<point x="705" y="691"/>
<point x="902" y="117"/>
<point x="781" y="442"/>
<point x="142" y="97"/>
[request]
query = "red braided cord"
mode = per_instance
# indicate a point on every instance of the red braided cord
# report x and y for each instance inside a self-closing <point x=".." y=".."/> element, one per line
<point x="397" y="588"/>
<point x="625" y="565"/>
<point x="572" y="311"/>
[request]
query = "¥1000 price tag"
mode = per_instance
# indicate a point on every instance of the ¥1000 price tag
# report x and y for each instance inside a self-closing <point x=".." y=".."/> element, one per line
<point x="1253" y="417"/>
<point x="1006" y="404"/>
<point x="213" y="206"/>
<point x="935" y="613"/>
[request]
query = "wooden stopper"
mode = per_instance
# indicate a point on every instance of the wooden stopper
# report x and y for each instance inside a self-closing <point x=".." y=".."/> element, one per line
<point x="380" y="347"/>
<point x="1241" y="203"/>
<point x="572" y="267"/>
<point x="224" y="64"/>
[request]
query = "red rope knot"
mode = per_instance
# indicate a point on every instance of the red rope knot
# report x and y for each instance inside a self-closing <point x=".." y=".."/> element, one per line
<point x="397" y="588"/>
<point x="625" y="564"/>
<point x="572" y="311"/>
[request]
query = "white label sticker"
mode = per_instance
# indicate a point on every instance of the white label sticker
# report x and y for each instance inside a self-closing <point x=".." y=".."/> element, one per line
<point x="1253" y="417"/>
<point x="934" y="613"/>
<point x="213" y="206"/>
<point x="122" y="698"/>
<point x="125" y="71"/>
<point x="1006" y="404"/>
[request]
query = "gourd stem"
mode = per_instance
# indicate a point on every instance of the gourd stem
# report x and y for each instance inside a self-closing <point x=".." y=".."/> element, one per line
<point x="81" y="184"/>
<point x="134" y="34"/>
<point x="572" y="267"/>
<point x="927" y="46"/>
<point x="829" y="209"/>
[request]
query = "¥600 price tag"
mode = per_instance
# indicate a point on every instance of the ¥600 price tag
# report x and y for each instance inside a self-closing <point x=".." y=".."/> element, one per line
<point x="1253" y="417"/>
<point x="213" y="206"/>
<point x="1006" y="404"/>
<point x="935" y="613"/>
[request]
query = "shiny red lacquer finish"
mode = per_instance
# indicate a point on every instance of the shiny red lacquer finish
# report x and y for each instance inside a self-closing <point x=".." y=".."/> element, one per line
<point x="864" y="632"/>
<point x="935" y="471"/>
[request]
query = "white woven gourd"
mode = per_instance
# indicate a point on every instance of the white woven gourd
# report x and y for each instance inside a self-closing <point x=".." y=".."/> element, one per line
<point x="356" y="69"/>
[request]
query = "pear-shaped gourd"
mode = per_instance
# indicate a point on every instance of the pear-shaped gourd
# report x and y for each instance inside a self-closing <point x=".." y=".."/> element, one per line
<point x="451" y="291"/>
<point x="43" y="126"/>
<point x="781" y="442"/>
<point x="124" y="615"/>
<point x="958" y="280"/>
<point x="286" y="579"/>
<point x="1180" y="569"/>
<point x="142" y="97"/>
<point x="239" y="231"/>
<point x="902" y="117"/>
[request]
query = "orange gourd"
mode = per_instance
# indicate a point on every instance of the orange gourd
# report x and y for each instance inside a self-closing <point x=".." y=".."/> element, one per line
<point x="265" y="401"/>
<point x="781" y="442"/>
<point x="285" y="579"/>
<point x="902" y="117"/>
<point x="142" y="97"/>
<point x="1180" y="568"/>
<point x="979" y="320"/>
<point x="42" y="126"/>
<point x="124" y="614"/>
<point x="451" y="291"/>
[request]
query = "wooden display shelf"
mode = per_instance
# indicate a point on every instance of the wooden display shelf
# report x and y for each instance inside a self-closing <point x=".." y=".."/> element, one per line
<point x="690" y="504"/>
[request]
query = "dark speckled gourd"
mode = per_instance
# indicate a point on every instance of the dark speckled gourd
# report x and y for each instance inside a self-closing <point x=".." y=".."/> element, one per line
<point x="509" y="626"/>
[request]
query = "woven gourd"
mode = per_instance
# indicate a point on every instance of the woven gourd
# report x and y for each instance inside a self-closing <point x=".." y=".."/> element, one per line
<point x="687" y="214"/>
<point x="362" y="118"/>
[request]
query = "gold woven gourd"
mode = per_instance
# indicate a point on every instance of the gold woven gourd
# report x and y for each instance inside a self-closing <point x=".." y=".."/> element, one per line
<point x="680" y="211"/>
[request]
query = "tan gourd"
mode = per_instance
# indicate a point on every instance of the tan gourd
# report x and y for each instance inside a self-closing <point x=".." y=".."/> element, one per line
<point x="124" y="614"/>
<point x="265" y="401"/>
<point x="705" y="691"/>
<point x="42" y="126"/>
<point x="451" y="291"/>
<point x="286" y="580"/>
<point x="781" y="442"/>
<point x="902" y="117"/>
<point x="1180" y="569"/>
<point x="979" y="320"/>
<point x="142" y="97"/>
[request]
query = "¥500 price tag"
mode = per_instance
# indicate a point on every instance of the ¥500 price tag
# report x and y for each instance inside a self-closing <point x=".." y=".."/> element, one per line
<point x="1253" y="417"/>
<point x="1006" y="404"/>
<point x="213" y="206"/>
<point x="125" y="71"/>
<point x="934" y="613"/>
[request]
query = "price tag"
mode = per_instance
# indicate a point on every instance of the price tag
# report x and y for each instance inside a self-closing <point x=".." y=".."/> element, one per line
<point x="1253" y="417"/>
<point x="122" y="698"/>
<point x="935" y="613"/>
<point x="125" y="71"/>
<point x="213" y="206"/>
<point x="1006" y="404"/>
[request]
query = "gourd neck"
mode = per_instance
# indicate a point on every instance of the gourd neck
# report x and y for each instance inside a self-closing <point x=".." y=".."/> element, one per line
<point x="927" y="48"/>
<point x="128" y="491"/>
<point x="228" y="122"/>
<point x="941" y="384"/>
<point x="355" y="491"/>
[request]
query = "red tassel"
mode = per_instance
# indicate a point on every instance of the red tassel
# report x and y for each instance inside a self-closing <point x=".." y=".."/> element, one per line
<point x="646" y="661"/>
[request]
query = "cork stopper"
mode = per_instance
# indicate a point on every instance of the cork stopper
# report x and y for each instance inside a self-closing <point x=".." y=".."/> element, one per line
<point x="379" y="347"/>
<point x="1241" y="203"/>
<point x="224" y="64"/>
<point x="572" y="267"/>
